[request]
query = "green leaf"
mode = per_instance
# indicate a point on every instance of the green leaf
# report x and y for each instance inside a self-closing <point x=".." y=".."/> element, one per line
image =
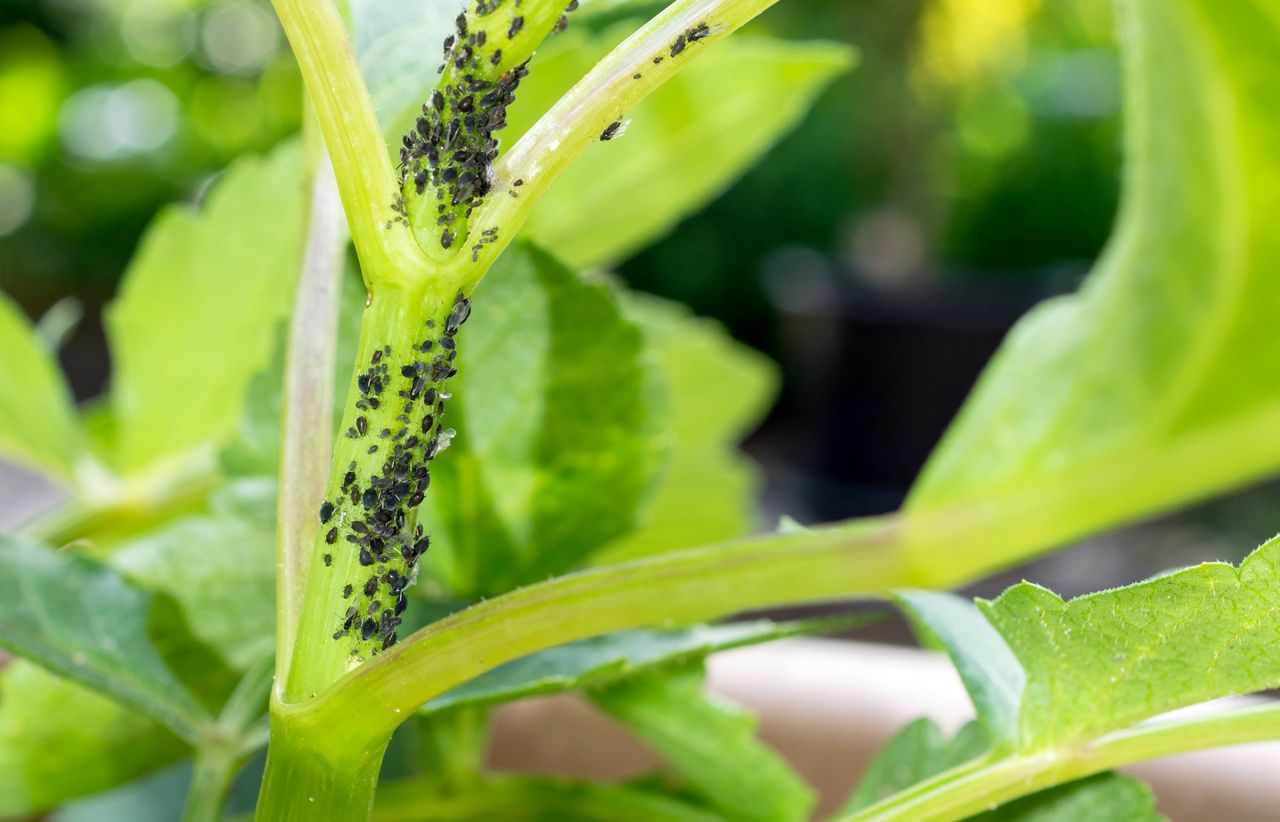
<point x="1156" y="384"/>
<point x="1103" y="663"/>
<point x="599" y="661"/>
<point x="684" y="144"/>
<point x="38" y="426"/>
<point x="399" y="46"/>
<point x="209" y="615"/>
<point x="199" y="307"/>
<point x="991" y="673"/>
<point x="719" y="390"/>
<point x="156" y="798"/>
<point x="710" y="743"/>
<point x="1107" y="660"/>
<point x="558" y="411"/>
<point x="60" y="740"/>
<point x="219" y="570"/>
<point x="919" y="751"/>
<point x="80" y="619"/>
<point x="1106" y="797"/>
<point x="914" y="754"/>
<point x="255" y="450"/>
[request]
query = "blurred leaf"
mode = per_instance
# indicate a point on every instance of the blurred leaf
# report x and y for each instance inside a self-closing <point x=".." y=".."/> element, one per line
<point x="684" y="145"/>
<point x="1107" y="660"/>
<point x="399" y="46"/>
<point x="534" y="799"/>
<point x="559" y="411"/>
<point x="599" y="661"/>
<point x="255" y="451"/>
<point x="156" y="798"/>
<point x="1156" y="383"/>
<point x="59" y="322"/>
<point x="219" y="570"/>
<point x="37" y="420"/>
<point x="991" y="673"/>
<point x="81" y="620"/>
<point x="915" y="753"/>
<point x="710" y="743"/>
<point x="199" y="306"/>
<point x="719" y="390"/>
<point x="918" y="751"/>
<point x="210" y="584"/>
<point x="60" y="740"/>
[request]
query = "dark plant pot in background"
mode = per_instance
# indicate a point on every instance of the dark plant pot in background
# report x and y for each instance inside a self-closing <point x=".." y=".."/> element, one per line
<point x="874" y="376"/>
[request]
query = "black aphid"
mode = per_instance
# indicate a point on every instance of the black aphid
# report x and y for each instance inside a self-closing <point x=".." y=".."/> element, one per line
<point x="326" y="511"/>
<point x="371" y="586"/>
<point x="328" y="560"/>
<point x="332" y="536"/>
<point x="678" y="45"/>
<point x="517" y="23"/>
<point x="612" y="130"/>
<point x="367" y="629"/>
<point x="362" y="426"/>
<point x="698" y="32"/>
<point x="346" y="591"/>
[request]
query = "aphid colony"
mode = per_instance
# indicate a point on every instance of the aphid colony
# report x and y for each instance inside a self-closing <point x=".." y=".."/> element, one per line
<point x="452" y="147"/>
<point x="375" y="514"/>
<point x="683" y="40"/>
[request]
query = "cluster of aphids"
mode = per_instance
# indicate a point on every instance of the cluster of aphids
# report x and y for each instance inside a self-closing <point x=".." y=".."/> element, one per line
<point x="452" y="147"/>
<point x="375" y="514"/>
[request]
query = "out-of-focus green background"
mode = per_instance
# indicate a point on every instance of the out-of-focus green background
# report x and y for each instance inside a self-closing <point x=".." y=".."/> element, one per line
<point x="969" y="167"/>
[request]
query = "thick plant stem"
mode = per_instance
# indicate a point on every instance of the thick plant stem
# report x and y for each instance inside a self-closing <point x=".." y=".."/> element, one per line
<point x="316" y="774"/>
<point x="391" y="427"/>
<point x="681" y="587"/>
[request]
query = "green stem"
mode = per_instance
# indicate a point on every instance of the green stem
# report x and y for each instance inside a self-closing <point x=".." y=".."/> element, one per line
<point x="215" y="766"/>
<point x="395" y="323"/>
<point x="225" y="746"/>
<point x="317" y="774"/>
<point x="356" y="147"/>
<point x="307" y="426"/>
<point x="452" y="748"/>
<point x="983" y="784"/>
<point x="679" y="587"/>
